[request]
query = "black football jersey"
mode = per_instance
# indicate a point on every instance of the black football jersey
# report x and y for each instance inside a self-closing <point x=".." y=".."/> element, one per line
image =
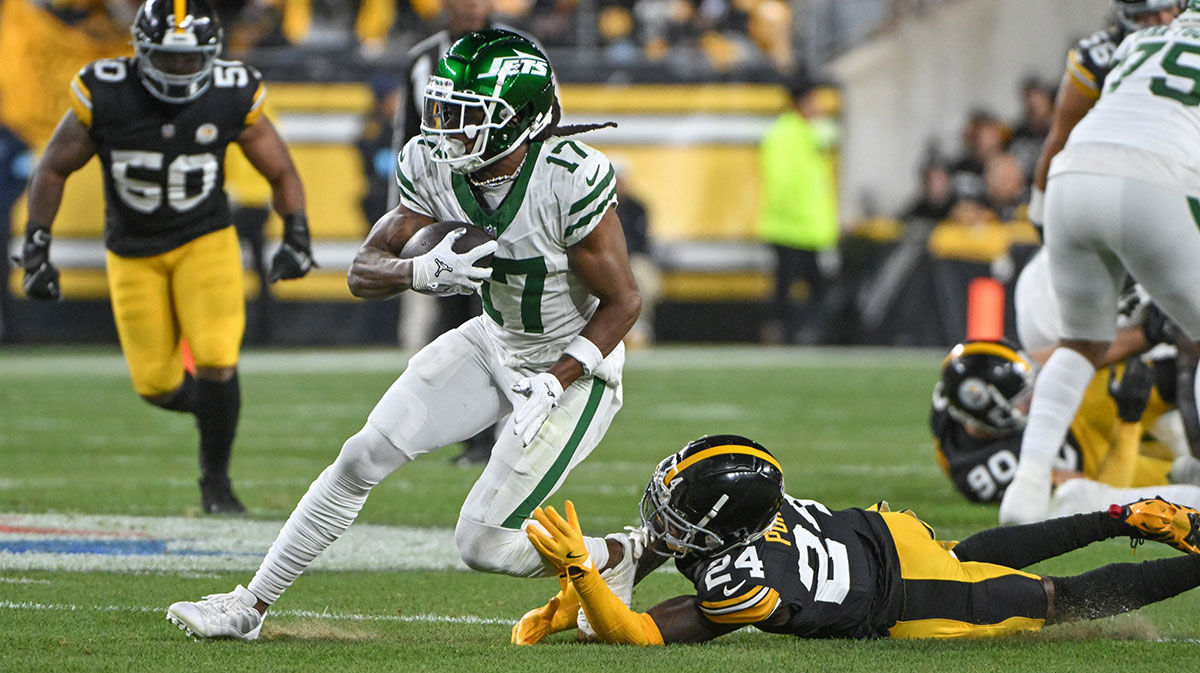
<point x="1091" y="59"/>
<point x="982" y="468"/>
<point x="835" y="573"/>
<point x="163" y="163"/>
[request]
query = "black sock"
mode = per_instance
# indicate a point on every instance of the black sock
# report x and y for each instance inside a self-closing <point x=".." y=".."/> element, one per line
<point x="184" y="397"/>
<point x="1122" y="587"/>
<point x="1022" y="546"/>
<point x="217" y="406"/>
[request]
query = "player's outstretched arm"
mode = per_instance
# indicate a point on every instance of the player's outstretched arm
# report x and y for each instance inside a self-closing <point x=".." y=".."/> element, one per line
<point x="1070" y="105"/>
<point x="377" y="271"/>
<point x="70" y="148"/>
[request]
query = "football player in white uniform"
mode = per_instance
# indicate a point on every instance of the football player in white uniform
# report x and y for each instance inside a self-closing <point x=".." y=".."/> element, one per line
<point x="545" y="359"/>
<point x="1121" y="199"/>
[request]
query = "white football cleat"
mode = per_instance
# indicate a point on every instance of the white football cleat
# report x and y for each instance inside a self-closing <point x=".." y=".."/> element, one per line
<point x="619" y="578"/>
<point x="230" y="615"/>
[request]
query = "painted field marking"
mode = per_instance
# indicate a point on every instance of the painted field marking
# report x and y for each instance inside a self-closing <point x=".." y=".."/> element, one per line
<point x="88" y="543"/>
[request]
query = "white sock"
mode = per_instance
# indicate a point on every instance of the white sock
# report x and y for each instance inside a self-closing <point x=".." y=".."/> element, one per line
<point x="322" y="515"/>
<point x="1057" y="394"/>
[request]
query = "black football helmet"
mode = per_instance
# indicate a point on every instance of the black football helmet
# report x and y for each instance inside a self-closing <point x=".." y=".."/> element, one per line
<point x="717" y="493"/>
<point x="1129" y="11"/>
<point x="177" y="42"/>
<point x="984" y="385"/>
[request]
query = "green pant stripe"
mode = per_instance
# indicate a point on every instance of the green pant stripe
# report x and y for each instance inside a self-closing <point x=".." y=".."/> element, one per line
<point x="525" y="509"/>
<point x="1194" y="204"/>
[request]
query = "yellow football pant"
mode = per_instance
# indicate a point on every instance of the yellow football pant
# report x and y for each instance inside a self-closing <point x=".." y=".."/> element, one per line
<point x="195" y="292"/>
<point x="948" y="598"/>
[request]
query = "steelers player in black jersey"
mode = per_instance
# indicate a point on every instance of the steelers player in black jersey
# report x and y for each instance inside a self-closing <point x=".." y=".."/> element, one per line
<point x="1088" y="63"/>
<point x="979" y="410"/>
<point x="160" y="123"/>
<point x="760" y="557"/>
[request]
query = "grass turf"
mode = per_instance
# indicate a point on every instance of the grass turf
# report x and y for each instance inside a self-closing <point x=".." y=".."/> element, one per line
<point x="849" y="428"/>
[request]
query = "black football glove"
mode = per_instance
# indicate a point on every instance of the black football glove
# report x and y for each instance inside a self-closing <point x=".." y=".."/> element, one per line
<point x="1132" y="391"/>
<point x="294" y="257"/>
<point x="41" y="278"/>
<point x="1157" y="327"/>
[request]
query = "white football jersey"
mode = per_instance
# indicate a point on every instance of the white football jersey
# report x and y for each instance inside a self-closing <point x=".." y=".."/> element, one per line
<point x="561" y="192"/>
<point x="1151" y="98"/>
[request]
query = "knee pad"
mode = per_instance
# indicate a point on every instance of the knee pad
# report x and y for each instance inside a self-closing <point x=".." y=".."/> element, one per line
<point x="494" y="549"/>
<point x="367" y="457"/>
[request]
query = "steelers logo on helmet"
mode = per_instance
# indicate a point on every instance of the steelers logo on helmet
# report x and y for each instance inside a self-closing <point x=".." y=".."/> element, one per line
<point x="973" y="393"/>
<point x="492" y="91"/>
<point x="177" y="43"/>
<point x="986" y="385"/>
<point x="719" y="492"/>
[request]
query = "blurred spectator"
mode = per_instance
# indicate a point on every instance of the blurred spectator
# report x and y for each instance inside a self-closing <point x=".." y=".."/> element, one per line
<point x="1006" y="187"/>
<point x="319" y="23"/>
<point x="799" y="208"/>
<point x="985" y="137"/>
<point x="636" y="224"/>
<point x="376" y="146"/>
<point x="937" y="194"/>
<point x="1038" y="113"/>
<point x="16" y="161"/>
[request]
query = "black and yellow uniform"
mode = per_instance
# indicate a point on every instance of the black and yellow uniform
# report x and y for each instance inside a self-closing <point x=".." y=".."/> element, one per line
<point x="983" y="467"/>
<point x="1091" y="59"/>
<point x="174" y="265"/>
<point x="861" y="574"/>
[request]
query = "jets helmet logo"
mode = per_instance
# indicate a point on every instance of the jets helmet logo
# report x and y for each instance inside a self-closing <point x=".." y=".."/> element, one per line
<point x="516" y="65"/>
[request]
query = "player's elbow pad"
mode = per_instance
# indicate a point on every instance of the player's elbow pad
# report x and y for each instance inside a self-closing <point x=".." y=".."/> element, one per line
<point x="613" y="622"/>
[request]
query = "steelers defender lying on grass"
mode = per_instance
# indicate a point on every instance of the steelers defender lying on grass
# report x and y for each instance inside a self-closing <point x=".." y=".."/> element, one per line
<point x="760" y="557"/>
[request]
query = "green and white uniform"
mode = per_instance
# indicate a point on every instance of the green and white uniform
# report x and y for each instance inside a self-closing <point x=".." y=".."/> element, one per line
<point x="1123" y="193"/>
<point x="534" y="305"/>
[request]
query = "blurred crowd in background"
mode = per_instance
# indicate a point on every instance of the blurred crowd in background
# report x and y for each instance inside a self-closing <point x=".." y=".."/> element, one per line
<point x="782" y="43"/>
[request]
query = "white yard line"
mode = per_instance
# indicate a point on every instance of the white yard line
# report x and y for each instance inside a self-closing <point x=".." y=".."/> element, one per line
<point x="306" y="614"/>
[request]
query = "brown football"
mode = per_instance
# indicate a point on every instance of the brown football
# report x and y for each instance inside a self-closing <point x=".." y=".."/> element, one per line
<point x="429" y="236"/>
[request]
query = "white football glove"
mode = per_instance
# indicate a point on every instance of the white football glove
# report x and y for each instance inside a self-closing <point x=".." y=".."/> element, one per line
<point x="442" y="271"/>
<point x="541" y="393"/>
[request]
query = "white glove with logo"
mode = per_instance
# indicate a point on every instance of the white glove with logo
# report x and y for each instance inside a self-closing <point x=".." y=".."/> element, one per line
<point x="541" y="393"/>
<point x="443" y="272"/>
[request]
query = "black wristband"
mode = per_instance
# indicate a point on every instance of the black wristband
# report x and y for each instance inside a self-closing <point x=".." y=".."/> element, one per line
<point x="296" y="220"/>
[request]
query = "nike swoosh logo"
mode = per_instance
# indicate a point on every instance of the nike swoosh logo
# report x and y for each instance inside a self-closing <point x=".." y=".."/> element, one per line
<point x="592" y="180"/>
<point x="571" y="555"/>
<point x="733" y="589"/>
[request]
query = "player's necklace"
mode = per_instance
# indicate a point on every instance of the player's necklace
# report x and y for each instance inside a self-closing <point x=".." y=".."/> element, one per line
<point x="499" y="179"/>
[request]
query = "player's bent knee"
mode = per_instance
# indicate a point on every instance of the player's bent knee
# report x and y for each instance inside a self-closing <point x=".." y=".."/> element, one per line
<point x="499" y="550"/>
<point x="368" y="456"/>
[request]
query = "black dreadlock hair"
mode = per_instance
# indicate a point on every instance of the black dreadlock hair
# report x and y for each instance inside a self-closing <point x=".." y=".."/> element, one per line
<point x="554" y="129"/>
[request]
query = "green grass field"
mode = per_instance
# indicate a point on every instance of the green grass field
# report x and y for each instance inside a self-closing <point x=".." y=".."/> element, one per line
<point x="849" y="427"/>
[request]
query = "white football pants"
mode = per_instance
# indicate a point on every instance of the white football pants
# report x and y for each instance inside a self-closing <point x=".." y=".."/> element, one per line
<point x="451" y="390"/>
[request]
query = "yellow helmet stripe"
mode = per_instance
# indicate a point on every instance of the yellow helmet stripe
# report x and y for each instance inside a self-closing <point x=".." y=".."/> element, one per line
<point x="718" y="451"/>
<point x="986" y="348"/>
<point x="180" y="14"/>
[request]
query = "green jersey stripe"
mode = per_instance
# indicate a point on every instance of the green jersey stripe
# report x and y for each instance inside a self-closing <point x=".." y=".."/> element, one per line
<point x="583" y="203"/>
<point x="525" y="509"/>
<point x="587" y="219"/>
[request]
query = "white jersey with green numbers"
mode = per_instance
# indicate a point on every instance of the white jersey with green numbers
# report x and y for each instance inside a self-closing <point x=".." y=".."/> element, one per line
<point x="562" y="190"/>
<point x="1151" y="99"/>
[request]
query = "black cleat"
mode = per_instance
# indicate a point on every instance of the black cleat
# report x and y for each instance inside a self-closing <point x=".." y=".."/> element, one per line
<point x="216" y="496"/>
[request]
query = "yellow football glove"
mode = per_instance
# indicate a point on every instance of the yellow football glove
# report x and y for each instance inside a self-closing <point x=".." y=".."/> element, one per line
<point x="557" y="615"/>
<point x="564" y="546"/>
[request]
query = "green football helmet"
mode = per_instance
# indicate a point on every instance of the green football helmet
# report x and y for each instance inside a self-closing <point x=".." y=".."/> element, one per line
<point x="492" y="91"/>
